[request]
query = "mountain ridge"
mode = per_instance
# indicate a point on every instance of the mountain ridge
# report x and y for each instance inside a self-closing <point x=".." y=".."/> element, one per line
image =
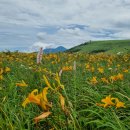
<point x="54" y="50"/>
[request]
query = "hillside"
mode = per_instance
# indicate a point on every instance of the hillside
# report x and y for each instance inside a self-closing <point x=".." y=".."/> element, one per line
<point x="109" y="46"/>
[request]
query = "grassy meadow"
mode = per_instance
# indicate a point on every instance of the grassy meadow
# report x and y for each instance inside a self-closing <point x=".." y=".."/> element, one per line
<point x="107" y="46"/>
<point x="67" y="91"/>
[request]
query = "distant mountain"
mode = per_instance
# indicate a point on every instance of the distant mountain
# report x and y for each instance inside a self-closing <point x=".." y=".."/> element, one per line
<point x="55" y="50"/>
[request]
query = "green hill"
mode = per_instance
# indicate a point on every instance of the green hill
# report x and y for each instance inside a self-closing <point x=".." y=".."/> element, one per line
<point x="109" y="46"/>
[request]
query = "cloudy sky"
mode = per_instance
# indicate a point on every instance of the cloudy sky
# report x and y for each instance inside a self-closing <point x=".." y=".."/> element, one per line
<point x="50" y="23"/>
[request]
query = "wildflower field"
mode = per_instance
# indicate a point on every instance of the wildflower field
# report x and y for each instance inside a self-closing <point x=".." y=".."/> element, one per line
<point x="65" y="91"/>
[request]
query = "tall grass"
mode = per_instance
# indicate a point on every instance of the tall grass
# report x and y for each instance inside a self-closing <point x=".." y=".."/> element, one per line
<point x="80" y="94"/>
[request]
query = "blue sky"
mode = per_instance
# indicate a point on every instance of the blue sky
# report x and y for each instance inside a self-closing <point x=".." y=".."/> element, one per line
<point x="29" y="24"/>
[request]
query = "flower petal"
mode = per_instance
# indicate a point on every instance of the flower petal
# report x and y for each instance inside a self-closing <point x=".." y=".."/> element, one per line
<point x="62" y="102"/>
<point x="42" y="116"/>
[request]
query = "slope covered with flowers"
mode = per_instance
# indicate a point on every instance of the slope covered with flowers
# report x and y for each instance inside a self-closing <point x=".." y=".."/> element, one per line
<point x="65" y="91"/>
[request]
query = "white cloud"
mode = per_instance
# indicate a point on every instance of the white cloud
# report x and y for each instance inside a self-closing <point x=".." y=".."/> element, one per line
<point x="104" y="19"/>
<point x="37" y="45"/>
<point x="60" y="12"/>
<point x="71" y="37"/>
<point x="122" y="35"/>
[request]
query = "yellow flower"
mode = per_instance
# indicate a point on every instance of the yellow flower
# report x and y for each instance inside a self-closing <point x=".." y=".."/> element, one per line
<point x="44" y="101"/>
<point x="53" y="62"/>
<point x="113" y="78"/>
<point x="62" y="102"/>
<point x="94" y="80"/>
<point x="32" y="98"/>
<point x="126" y="71"/>
<point x="57" y="78"/>
<point x="46" y="81"/>
<point x="87" y="66"/>
<point x="120" y="76"/>
<point x="118" y="103"/>
<point x="44" y="93"/>
<point x="92" y="69"/>
<point x="118" y="65"/>
<point x="1" y="77"/>
<point x="22" y="84"/>
<point x="67" y="68"/>
<point x="1" y="70"/>
<point x="101" y="70"/>
<point x="105" y="80"/>
<point x="107" y="101"/>
<point x="7" y="69"/>
<point x="39" y="99"/>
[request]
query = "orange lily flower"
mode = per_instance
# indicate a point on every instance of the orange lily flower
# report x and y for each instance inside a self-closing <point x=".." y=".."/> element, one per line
<point x="118" y="103"/>
<point x="39" y="99"/>
<point x="107" y="101"/>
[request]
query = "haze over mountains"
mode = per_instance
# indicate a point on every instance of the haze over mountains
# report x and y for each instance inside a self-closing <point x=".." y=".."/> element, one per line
<point x="46" y="50"/>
